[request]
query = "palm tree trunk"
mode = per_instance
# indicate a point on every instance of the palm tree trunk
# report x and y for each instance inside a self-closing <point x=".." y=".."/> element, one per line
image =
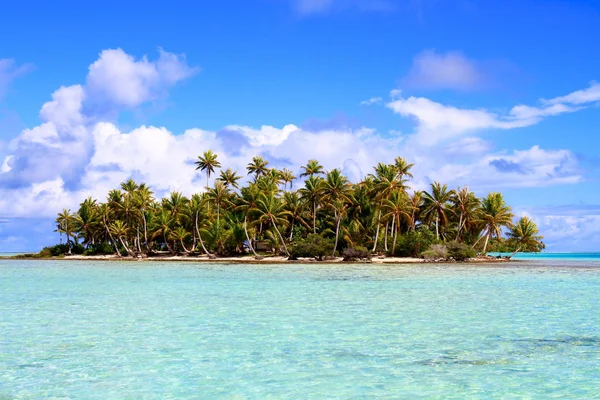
<point x="395" y="238"/>
<point x="385" y="237"/>
<point x="377" y="233"/>
<point x="139" y="246"/>
<point x="292" y="231"/>
<point x="514" y="252"/>
<point x="183" y="245"/>
<point x="280" y="237"/>
<point x="145" y="231"/>
<point x="487" y="238"/>
<point x="437" y="229"/>
<point x="337" y="231"/>
<point x="129" y="252"/>
<point x="200" y="236"/>
<point x="117" y="252"/>
<point x="248" y="236"/>
<point x="314" y="217"/>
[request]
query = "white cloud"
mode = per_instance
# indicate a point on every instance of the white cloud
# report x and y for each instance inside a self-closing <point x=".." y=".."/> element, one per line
<point x="451" y="70"/>
<point x="371" y="101"/>
<point x="436" y="122"/>
<point x="588" y="95"/>
<point x="9" y="71"/>
<point x="118" y="78"/>
<point x="266" y="135"/>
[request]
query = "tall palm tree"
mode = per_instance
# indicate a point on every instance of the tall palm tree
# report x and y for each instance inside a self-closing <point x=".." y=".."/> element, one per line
<point x="229" y="178"/>
<point x="311" y="193"/>
<point x="399" y="208"/>
<point x="247" y="204"/>
<point x="287" y="176"/>
<point x="180" y="234"/>
<point x="258" y="167"/>
<point x="495" y="215"/>
<point x="312" y="168"/>
<point x="199" y="218"/>
<point x="294" y="208"/>
<point x="403" y="167"/>
<point x="436" y="205"/>
<point x="219" y="195"/>
<point x="524" y="235"/>
<point x="336" y="191"/>
<point x="465" y="205"/>
<point x="65" y="222"/>
<point x="120" y="230"/>
<point x="207" y="163"/>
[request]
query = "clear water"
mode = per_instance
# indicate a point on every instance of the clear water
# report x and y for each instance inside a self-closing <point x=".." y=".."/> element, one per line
<point x="590" y="256"/>
<point x="92" y="330"/>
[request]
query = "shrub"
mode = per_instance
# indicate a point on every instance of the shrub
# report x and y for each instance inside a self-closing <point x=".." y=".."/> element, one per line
<point x="359" y="253"/>
<point x="412" y="244"/>
<point x="313" y="246"/>
<point x="436" y="252"/>
<point x="99" y="249"/>
<point x="460" y="251"/>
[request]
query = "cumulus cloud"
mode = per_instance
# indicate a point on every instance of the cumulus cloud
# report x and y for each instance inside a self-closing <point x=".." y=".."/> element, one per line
<point x="120" y="79"/>
<point x="9" y="71"/>
<point x="371" y="101"/>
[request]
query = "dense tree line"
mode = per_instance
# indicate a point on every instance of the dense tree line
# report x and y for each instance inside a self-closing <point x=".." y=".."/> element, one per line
<point x="379" y="215"/>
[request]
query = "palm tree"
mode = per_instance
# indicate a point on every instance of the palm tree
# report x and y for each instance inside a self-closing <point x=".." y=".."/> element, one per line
<point x="85" y="221"/>
<point x="294" y="209"/>
<point x="287" y="176"/>
<point x="311" y="193"/>
<point x="247" y="204"/>
<point x="269" y="208"/>
<point x="495" y="214"/>
<point x="399" y="208"/>
<point x="180" y="234"/>
<point x="197" y="214"/>
<point x="465" y="205"/>
<point x="65" y="225"/>
<point x="403" y="167"/>
<point x="230" y="178"/>
<point x="120" y="230"/>
<point x="435" y="205"/>
<point x="312" y="168"/>
<point x="143" y="199"/>
<point x="208" y="162"/>
<point x="336" y="191"/>
<point x="258" y="167"/>
<point x="524" y="235"/>
<point x="163" y="224"/>
<point x="219" y="195"/>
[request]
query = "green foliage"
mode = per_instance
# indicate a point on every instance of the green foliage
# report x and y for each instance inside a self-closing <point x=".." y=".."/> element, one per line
<point x="314" y="246"/>
<point x="99" y="249"/>
<point x="414" y="243"/>
<point x="460" y="251"/>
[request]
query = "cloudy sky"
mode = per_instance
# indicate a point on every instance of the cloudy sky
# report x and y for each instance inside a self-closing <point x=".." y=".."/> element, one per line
<point x="499" y="95"/>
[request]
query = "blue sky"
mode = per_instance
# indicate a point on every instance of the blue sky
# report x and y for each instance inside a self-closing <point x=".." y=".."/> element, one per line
<point x="500" y="95"/>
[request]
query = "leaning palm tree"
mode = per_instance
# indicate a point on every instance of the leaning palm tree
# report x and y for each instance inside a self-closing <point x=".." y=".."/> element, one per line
<point x="524" y="235"/>
<point x="436" y="205"/>
<point x="312" y="168"/>
<point x="120" y="231"/>
<point x="269" y="208"/>
<point x="258" y="167"/>
<point x="495" y="214"/>
<point x="199" y="217"/>
<point x="180" y="234"/>
<point x="247" y="203"/>
<point x="208" y="162"/>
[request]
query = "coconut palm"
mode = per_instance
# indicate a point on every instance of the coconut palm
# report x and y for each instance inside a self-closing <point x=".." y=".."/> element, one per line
<point x="495" y="214"/>
<point x="465" y="205"/>
<point x="399" y="208"/>
<point x="524" y="236"/>
<point x="287" y="176"/>
<point x="229" y="178"/>
<point x="258" y="167"/>
<point x="219" y="195"/>
<point x="312" y="168"/>
<point x="436" y="205"/>
<point x="199" y="217"/>
<point x="311" y="193"/>
<point x="403" y="167"/>
<point x="65" y="224"/>
<point x="207" y="162"/>
<point x="120" y="230"/>
<point x="294" y="208"/>
<point x="269" y="208"/>
<point x="180" y="234"/>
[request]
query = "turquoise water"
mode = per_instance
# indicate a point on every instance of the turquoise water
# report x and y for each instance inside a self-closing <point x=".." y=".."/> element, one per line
<point x="92" y="330"/>
<point x="591" y="256"/>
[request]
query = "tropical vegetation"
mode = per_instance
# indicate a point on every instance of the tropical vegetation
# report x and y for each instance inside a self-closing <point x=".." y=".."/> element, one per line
<point x="326" y="215"/>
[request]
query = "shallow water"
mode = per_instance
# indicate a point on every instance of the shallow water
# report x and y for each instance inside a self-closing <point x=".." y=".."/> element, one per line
<point x="93" y="330"/>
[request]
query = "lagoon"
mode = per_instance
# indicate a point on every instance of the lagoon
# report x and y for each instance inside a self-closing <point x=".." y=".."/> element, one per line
<point x="113" y="330"/>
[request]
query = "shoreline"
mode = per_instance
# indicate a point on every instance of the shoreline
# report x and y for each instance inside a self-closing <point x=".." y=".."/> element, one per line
<point x="266" y="260"/>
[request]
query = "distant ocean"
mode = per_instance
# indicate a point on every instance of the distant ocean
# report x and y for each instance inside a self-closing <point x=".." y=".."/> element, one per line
<point x="591" y="256"/>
